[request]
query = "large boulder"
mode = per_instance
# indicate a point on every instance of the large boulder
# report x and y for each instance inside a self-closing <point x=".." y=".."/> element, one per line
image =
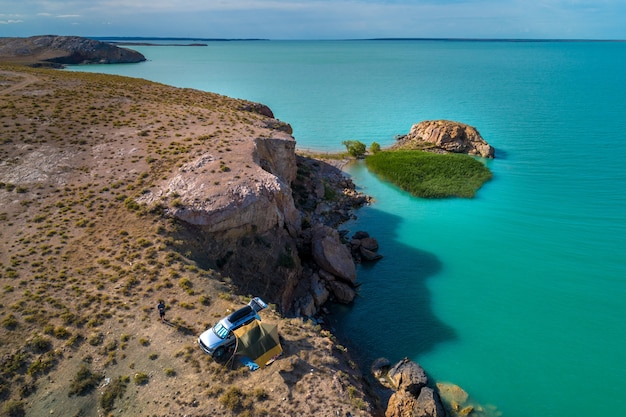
<point x="449" y="136"/>
<point x="401" y="404"/>
<point x="429" y="404"/>
<point x="364" y="248"/>
<point x="412" y="397"/>
<point x="331" y="254"/>
<point x="380" y="367"/>
<point x="342" y="291"/>
<point x="407" y="375"/>
<point x="404" y="404"/>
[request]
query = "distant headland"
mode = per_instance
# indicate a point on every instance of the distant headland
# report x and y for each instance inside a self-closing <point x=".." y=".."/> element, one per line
<point x="57" y="51"/>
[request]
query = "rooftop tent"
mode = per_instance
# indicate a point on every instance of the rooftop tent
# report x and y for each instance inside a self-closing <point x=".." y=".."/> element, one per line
<point x="258" y="341"/>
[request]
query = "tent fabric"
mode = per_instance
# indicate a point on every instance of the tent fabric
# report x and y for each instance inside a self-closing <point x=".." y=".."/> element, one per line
<point x="258" y="341"/>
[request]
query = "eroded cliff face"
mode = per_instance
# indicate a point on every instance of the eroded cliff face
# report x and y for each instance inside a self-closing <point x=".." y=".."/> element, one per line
<point x="242" y="203"/>
<point x="256" y="195"/>
<point x="249" y="227"/>
<point x="248" y="221"/>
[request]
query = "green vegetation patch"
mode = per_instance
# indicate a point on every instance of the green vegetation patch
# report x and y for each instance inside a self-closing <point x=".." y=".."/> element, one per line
<point x="430" y="175"/>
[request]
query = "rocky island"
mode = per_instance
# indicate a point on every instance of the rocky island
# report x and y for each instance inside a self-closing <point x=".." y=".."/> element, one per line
<point x="446" y="136"/>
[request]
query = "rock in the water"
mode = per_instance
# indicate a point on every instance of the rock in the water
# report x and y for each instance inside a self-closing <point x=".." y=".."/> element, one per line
<point x="360" y="235"/>
<point x="456" y="401"/>
<point x="449" y="136"/>
<point x="428" y="404"/>
<point x="452" y="392"/>
<point x="401" y="404"/>
<point x="332" y="255"/>
<point x="368" y="255"/>
<point x="380" y="367"/>
<point x="370" y="244"/>
<point x="405" y="404"/>
<point x="342" y="292"/>
<point x="408" y="375"/>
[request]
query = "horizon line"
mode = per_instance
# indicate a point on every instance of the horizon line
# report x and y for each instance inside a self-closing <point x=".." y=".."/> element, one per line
<point x="464" y="39"/>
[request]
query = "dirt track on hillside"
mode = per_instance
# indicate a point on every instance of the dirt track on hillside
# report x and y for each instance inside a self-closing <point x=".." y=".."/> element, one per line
<point x="28" y="79"/>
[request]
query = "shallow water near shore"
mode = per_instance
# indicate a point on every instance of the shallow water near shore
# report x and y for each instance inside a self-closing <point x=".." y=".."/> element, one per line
<point x="518" y="294"/>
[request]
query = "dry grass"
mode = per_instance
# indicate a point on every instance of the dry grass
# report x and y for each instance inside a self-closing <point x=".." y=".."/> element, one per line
<point x="82" y="265"/>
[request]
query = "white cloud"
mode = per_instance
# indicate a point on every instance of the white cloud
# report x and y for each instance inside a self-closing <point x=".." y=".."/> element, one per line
<point x="10" y="21"/>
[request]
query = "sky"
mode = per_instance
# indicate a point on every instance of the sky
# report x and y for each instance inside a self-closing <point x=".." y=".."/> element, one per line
<point x="317" y="19"/>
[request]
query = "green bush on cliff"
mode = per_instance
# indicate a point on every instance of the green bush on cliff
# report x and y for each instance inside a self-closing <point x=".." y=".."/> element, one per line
<point x="430" y="175"/>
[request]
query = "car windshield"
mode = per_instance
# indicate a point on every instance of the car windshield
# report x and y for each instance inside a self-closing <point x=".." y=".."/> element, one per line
<point x="220" y="331"/>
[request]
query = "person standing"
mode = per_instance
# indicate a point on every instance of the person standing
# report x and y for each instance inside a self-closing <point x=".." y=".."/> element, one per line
<point x="161" y="308"/>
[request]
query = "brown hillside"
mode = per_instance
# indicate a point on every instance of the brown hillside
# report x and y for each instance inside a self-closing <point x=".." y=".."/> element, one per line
<point x="83" y="265"/>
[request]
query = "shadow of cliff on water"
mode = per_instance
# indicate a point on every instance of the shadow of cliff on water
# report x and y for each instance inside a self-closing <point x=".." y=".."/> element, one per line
<point x="392" y="317"/>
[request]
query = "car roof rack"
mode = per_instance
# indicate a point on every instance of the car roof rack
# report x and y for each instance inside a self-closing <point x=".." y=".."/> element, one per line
<point x="242" y="312"/>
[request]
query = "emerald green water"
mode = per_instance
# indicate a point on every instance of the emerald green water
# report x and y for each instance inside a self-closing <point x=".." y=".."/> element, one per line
<point x="516" y="295"/>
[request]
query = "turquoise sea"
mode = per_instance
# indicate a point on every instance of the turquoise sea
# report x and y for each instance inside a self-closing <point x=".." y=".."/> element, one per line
<point x="517" y="295"/>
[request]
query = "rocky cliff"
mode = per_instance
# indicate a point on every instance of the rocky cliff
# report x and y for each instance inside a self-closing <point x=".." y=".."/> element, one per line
<point x="447" y="136"/>
<point x="251" y="227"/>
<point x="50" y="50"/>
<point x="117" y="192"/>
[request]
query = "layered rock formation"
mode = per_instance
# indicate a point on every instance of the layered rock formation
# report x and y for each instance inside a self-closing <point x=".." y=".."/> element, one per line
<point x="56" y="51"/>
<point x="253" y="229"/>
<point x="448" y="136"/>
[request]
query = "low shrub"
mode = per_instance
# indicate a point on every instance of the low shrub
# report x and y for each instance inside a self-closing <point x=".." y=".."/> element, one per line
<point x="40" y="344"/>
<point x="114" y="390"/>
<point x="232" y="399"/>
<point x="141" y="378"/>
<point x="10" y="322"/>
<point x="14" y="408"/>
<point x="84" y="381"/>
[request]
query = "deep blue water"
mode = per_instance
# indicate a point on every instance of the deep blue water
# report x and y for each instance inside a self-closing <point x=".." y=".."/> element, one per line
<point x="518" y="294"/>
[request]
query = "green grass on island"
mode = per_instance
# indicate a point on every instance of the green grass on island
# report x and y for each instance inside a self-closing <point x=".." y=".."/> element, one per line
<point x="430" y="175"/>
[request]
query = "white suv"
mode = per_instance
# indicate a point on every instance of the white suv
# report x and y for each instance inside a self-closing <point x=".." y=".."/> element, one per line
<point x="220" y="337"/>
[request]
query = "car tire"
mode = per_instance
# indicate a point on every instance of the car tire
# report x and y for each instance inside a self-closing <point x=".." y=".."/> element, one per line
<point x="219" y="352"/>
